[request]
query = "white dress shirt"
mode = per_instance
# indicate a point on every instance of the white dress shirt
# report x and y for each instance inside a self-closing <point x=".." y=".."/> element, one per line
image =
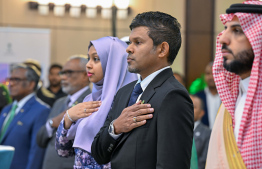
<point x="242" y="95"/>
<point x="213" y="102"/>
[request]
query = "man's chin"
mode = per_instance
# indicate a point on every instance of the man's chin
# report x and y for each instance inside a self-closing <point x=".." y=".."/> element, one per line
<point x="133" y="70"/>
<point x="66" y="89"/>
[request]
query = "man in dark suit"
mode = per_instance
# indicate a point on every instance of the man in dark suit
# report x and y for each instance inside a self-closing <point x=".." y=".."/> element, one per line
<point x="149" y="126"/>
<point x="20" y="121"/>
<point x="75" y="83"/>
<point x="201" y="132"/>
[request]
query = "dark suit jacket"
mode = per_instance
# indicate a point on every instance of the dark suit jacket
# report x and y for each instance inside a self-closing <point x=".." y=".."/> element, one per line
<point x="165" y="141"/>
<point x="52" y="160"/>
<point x="21" y="134"/>
<point x="201" y="136"/>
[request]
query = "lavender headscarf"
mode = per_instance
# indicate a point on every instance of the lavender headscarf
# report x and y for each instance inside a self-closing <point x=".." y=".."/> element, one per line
<point x="113" y="58"/>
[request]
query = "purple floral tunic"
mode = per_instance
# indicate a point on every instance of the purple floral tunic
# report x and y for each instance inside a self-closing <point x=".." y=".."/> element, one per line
<point x="83" y="159"/>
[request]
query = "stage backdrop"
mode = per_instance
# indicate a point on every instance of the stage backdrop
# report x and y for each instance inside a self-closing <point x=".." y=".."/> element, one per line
<point x="19" y="44"/>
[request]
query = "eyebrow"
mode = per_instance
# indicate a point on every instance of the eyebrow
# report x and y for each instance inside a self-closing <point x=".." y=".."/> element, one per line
<point x="234" y="25"/>
<point x="135" y="38"/>
<point x="92" y="54"/>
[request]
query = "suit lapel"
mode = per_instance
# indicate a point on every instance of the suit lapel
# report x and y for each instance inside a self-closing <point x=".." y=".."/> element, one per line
<point x="83" y="95"/>
<point x="149" y="93"/>
<point x="20" y="115"/>
<point x="4" y="115"/>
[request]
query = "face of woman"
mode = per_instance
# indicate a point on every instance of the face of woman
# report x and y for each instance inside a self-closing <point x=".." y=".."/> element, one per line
<point x="93" y="66"/>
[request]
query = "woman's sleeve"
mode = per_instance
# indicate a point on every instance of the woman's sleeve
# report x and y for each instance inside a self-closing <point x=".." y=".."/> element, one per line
<point x="63" y="145"/>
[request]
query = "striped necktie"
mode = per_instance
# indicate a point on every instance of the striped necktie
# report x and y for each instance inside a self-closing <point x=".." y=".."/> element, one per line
<point x="9" y="120"/>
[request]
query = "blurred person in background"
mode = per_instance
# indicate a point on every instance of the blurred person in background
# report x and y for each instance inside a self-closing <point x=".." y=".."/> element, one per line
<point x="5" y="98"/>
<point x="210" y="98"/>
<point x="20" y="121"/>
<point x="55" y="81"/>
<point x="42" y="93"/>
<point x="74" y="83"/>
<point x="201" y="131"/>
<point x="180" y="78"/>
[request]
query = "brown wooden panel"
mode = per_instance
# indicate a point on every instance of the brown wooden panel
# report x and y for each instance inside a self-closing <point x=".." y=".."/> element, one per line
<point x="199" y="37"/>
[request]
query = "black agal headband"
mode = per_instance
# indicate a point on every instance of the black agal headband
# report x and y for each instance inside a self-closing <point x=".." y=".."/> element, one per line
<point x="244" y="8"/>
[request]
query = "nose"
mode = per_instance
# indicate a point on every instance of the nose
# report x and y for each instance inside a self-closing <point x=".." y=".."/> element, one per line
<point x="224" y="38"/>
<point x="130" y="49"/>
<point x="62" y="76"/>
<point x="11" y="83"/>
<point x="88" y="65"/>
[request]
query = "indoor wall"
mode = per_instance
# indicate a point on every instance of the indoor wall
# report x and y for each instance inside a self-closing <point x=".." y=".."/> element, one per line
<point x="72" y="35"/>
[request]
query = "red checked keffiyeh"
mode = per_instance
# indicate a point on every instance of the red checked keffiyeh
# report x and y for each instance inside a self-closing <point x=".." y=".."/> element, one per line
<point x="250" y="133"/>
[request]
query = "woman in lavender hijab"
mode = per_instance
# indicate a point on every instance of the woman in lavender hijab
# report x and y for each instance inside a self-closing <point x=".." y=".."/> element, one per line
<point x="107" y="69"/>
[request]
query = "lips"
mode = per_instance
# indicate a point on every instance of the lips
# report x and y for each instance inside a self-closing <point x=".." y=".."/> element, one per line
<point x="225" y="52"/>
<point x="89" y="74"/>
<point x="129" y="59"/>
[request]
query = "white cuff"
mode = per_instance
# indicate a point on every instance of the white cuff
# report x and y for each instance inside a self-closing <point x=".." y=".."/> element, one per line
<point x="112" y="132"/>
<point x="49" y="129"/>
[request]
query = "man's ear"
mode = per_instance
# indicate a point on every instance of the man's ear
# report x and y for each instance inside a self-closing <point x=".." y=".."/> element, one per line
<point x="163" y="49"/>
<point x="32" y="85"/>
<point x="202" y="113"/>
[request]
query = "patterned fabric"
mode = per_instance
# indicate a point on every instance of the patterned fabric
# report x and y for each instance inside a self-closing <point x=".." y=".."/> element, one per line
<point x="83" y="159"/>
<point x="250" y="133"/>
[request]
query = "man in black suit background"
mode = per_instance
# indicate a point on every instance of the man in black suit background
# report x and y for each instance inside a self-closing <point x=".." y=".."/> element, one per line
<point x="151" y="121"/>
<point x="201" y="131"/>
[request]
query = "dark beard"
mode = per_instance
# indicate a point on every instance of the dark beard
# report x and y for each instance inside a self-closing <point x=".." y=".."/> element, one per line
<point x="243" y="62"/>
<point x="133" y="70"/>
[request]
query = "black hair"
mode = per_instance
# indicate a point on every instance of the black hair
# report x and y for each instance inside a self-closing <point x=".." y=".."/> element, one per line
<point x="162" y="28"/>
<point x="55" y="65"/>
<point x="201" y="101"/>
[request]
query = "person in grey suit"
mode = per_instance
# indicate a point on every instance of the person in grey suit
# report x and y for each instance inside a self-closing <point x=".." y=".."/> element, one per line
<point x="74" y="83"/>
<point x="201" y="132"/>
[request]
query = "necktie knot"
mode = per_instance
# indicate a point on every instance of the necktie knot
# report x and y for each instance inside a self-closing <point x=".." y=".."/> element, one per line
<point x="138" y="89"/>
<point x="135" y="93"/>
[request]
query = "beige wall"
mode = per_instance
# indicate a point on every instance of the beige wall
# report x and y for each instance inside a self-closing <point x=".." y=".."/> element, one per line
<point x="72" y="35"/>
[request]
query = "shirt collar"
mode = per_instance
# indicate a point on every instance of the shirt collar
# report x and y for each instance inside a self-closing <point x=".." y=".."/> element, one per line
<point x="148" y="79"/>
<point x="196" y="124"/>
<point x="23" y="101"/>
<point x="76" y="95"/>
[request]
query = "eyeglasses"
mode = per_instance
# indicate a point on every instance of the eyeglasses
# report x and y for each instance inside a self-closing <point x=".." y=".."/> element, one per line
<point x="68" y="73"/>
<point x="15" y="79"/>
